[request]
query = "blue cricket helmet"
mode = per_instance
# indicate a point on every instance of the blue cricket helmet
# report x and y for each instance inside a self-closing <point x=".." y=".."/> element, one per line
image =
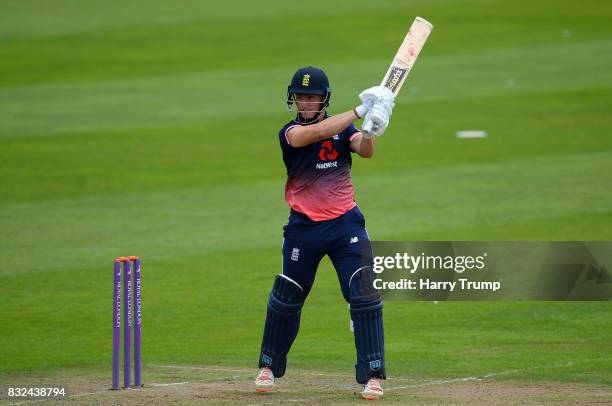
<point x="309" y="80"/>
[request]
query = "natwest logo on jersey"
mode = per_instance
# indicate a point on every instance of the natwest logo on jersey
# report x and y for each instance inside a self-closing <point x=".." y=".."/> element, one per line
<point x="327" y="152"/>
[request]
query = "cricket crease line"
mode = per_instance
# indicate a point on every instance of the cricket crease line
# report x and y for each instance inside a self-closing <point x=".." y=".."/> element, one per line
<point x="440" y="382"/>
<point x="252" y="371"/>
<point x="489" y="375"/>
<point x="436" y="382"/>
<point x="203" y="368"/>
<point x="170" y="384"/>
<point x="566" y="364"/>
<point x="425" y="382"/>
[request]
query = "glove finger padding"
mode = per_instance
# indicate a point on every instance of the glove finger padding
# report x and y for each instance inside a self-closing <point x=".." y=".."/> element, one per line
<point x="377" y="94"/>
<point x="381" y="102"/>
<point x="380" y="118"/>
<point x="369" y="95"/>
<point x="387" y="105"/>
<point x="380" y="115"/>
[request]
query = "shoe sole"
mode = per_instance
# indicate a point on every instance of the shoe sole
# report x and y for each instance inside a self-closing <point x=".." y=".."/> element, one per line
<point x="370" y="396"/>
<point x="263" y="389"/>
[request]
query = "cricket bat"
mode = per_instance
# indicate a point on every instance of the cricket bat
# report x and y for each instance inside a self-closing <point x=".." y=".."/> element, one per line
<point x="404" y="60"/>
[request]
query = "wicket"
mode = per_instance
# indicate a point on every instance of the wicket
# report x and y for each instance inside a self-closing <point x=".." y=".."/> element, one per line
<point x="127" y="316"/>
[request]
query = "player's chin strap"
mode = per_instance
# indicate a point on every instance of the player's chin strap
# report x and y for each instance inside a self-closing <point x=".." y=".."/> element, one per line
<point x="299" y="119"/>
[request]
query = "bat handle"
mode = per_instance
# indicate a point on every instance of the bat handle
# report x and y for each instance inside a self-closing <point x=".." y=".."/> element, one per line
<point x="368" y="125"/>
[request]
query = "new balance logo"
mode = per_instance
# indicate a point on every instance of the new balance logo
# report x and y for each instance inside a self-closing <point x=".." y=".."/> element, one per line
<point x="354" y="240"/>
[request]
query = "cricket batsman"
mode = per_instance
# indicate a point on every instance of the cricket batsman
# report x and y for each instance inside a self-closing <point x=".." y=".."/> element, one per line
<point x="325" y="220"/>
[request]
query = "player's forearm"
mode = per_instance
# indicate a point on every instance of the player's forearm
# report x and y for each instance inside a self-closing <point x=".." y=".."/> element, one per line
<point x="333" y="125"/>
<point x="309" y="134"/>
<point x="366" y="147"/>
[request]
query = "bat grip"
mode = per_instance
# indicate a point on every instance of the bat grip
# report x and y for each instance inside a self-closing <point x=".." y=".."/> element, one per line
<point x="368" y="125"/>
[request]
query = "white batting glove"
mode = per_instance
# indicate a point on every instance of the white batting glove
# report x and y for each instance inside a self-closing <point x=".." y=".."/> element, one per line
<point x="379" y="116"/>
<point x="375" y="94"/>
<point x="363" y="108"/>
<point x="384" y="98"/>
<point x="378" y="94"/>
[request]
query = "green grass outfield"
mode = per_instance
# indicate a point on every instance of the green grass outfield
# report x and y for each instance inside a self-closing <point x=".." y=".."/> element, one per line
<point x="150" y="128"/>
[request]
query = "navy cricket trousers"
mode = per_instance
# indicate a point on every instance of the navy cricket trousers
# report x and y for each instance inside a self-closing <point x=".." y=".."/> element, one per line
<point x="344" y="239"/>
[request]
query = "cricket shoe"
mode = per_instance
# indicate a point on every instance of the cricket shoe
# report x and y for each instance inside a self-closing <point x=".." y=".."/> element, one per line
<point x="372" y="390"/>
<point x="265" y="380"/>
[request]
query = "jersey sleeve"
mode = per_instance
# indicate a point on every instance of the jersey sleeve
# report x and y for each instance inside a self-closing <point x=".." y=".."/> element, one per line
<point x="282" y="135"/>
<point x="349" y="133"/>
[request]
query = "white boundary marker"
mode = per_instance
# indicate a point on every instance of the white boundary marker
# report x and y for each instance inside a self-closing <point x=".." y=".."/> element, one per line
<point x="471" y="134"/>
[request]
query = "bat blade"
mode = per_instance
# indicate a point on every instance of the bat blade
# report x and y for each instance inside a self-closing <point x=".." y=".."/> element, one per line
<point x="407" y="54"/>
<point x="403" y="61"/>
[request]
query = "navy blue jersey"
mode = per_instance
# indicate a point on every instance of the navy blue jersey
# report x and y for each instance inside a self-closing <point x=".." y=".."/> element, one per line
<point x="319" y="175"/>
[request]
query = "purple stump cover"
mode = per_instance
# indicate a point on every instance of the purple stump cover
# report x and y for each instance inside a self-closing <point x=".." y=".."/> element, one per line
<point x="137" y="322"/>
<point x="127" y="321"/>
<point x="116" y="321"/>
